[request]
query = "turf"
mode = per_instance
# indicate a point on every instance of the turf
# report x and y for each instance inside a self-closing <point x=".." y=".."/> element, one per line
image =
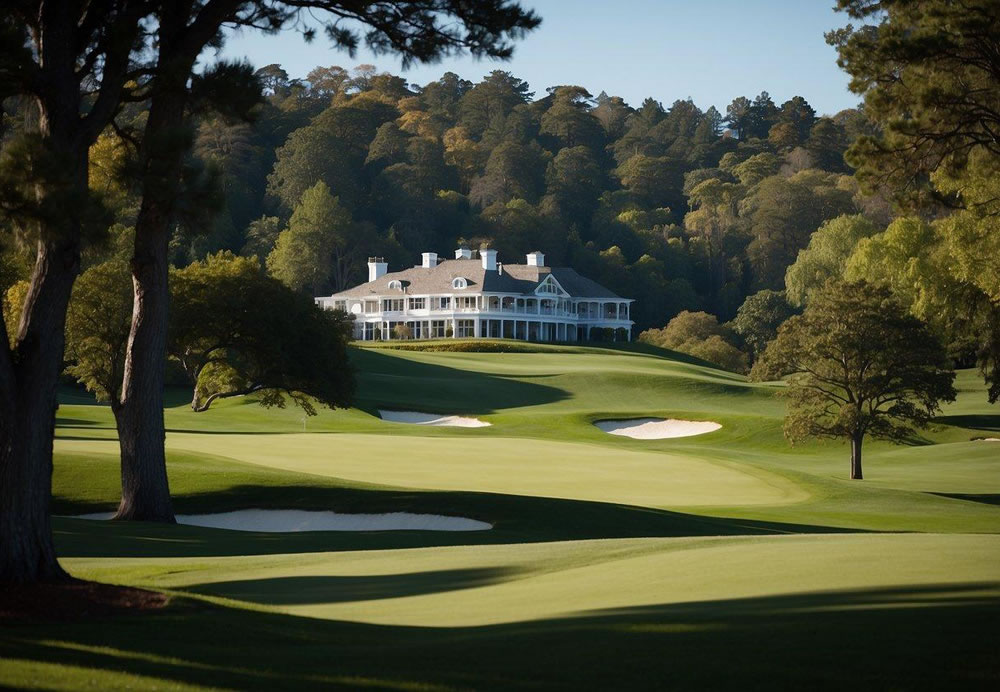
<point x="725" y="560"/>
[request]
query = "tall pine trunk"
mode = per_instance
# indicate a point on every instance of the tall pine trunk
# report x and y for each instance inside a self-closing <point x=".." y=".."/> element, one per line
<point x="141" y="430"/>
<point x="856" y="441"/>
<point x="27" y="424"/>
<point x="29" y="369"/>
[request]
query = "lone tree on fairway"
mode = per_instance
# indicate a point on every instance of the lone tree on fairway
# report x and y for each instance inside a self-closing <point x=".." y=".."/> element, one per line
<point x="859" y="365"/>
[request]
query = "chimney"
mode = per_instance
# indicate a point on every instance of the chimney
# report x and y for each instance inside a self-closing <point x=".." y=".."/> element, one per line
<point x="463" y="253"/>
<point x="430" y="260"/>
<point x="377" y="268"/>
<point x="489" y="260"/>
<point x="536" y="259"/>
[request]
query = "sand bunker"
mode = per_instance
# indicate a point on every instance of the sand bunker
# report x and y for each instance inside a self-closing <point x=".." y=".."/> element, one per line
<point x="431" y="419"/>
<point x="989" y="439"/>
<point x="656" y="428"/>
<point x="294" y="520"/>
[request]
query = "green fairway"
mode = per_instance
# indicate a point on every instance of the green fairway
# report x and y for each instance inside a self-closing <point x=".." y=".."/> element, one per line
<point x="612" y="561"/>
<point x="473" y="585"/>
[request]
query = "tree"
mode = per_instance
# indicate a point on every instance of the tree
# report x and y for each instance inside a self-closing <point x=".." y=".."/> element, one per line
<point x="826" y="145"/>
<point x="739" y="116"/>
<point x="316" y="246"/>
<point x="573" y="183"/>
<point x="656" y="181"/>
<point x="713" y="216"/>
<point x="858" y="365"/>
<point x="569" y="120"/>
<point x="72" y="63"/>
<point x="700" y="335"/>
<point x="263" y="339"/>
<point x="97" y="328"/>
<point x="491" y="100"/>
<point x="781" y="214"/>
<point x="797" y="112"/>
<point x="928" y="75"/>
<point x="417" y="31"/>
<point x="758" y="319"/>
<point x="826" y="256"/>
<point x="261" y="236"/>
<point x="944" y="277"/>
<point x="513" y="171"/>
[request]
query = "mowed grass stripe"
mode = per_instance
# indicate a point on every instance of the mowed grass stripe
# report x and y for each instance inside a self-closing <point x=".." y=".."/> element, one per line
<point x="502" y="465"/>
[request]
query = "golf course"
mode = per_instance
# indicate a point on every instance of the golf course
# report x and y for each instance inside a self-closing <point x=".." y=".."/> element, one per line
<point x="714" y="560"/>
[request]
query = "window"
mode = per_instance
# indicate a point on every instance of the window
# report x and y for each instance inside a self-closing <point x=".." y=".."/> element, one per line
<point x="438" y="329"/>
<point x="418" y="303"/>
<point x="395" y="285"/>
<point x="371" y="306"/>
<point x="340" y="305"/>
<point x="392" y="305"/>
<point x="459" y="282"/>
<point x="466" y="302"/>
<point x="465" y="328"/>
<point x="442" y="303"/>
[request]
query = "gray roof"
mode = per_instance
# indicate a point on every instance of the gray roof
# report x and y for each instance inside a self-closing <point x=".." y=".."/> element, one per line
<point x="521" y="279"/>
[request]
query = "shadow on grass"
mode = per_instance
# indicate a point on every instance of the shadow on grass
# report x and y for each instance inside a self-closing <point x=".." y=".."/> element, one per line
<point x="514" y="518"/>
<point x="433" y="388"/>
<point x="985" y="421"/>
<point x="927" y="637"/>
<point x="339" y="589"/>
<point x="985" y="499"/>
<point x="74" y="422"/>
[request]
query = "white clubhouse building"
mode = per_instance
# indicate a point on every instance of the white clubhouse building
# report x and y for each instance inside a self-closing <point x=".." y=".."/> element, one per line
<point x="481" y="297"/>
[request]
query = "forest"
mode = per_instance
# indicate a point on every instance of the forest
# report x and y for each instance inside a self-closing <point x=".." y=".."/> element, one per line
<point x="678" y="207"/>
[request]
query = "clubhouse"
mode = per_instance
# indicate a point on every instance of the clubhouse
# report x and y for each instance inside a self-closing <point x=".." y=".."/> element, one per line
<point x="480" y="297"/>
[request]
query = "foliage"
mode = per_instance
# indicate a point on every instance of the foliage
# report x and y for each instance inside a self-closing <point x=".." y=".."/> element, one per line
<point x="316" y="246"/>
<point x="858" y="365"/>
<point x="759" y="317"/>
<point x="97" y="328"/>
<point x="928" y="74"/>
<point x="825" y="257"/>
<point x="700" y="335"/>
<point x="264" y="338"/>
<point x="781" y="215"/>
<point x="933" y="270"/>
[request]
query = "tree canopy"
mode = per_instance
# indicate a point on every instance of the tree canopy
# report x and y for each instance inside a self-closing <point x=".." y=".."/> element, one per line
<point x="858" y="364"/>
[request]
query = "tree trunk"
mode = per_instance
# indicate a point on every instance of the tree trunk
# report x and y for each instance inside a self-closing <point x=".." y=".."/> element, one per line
<point x="141" y="432"/>
<point x="27" y="423"/>
<point x="856" y="457"/>
<point x="29" y="371"/>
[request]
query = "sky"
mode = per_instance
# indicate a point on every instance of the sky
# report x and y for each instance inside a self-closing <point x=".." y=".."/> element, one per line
<point x="711" y="52"/>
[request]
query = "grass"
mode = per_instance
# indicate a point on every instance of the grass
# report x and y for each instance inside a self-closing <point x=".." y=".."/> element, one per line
<point x="724" y="560"/>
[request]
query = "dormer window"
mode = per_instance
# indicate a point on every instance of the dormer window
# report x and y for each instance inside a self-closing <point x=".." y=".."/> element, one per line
<point x="551" y="286"/>
<point x="395" y="285"/>
<point x="459" y="282"/>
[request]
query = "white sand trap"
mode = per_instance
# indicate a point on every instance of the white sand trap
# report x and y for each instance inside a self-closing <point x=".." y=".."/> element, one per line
<point x="294" y="520"/>
<point x="989" y="439"/>
<point x="417" y="418"/>
<point x="656" y="428"/>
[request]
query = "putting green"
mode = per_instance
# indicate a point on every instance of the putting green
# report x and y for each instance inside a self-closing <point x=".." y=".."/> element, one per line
<point x="485" y="585"/>
<point x="515" y="466"/>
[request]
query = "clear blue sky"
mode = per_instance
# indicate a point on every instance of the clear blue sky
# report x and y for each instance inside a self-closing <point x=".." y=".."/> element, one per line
<point x="667" y="49"/>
